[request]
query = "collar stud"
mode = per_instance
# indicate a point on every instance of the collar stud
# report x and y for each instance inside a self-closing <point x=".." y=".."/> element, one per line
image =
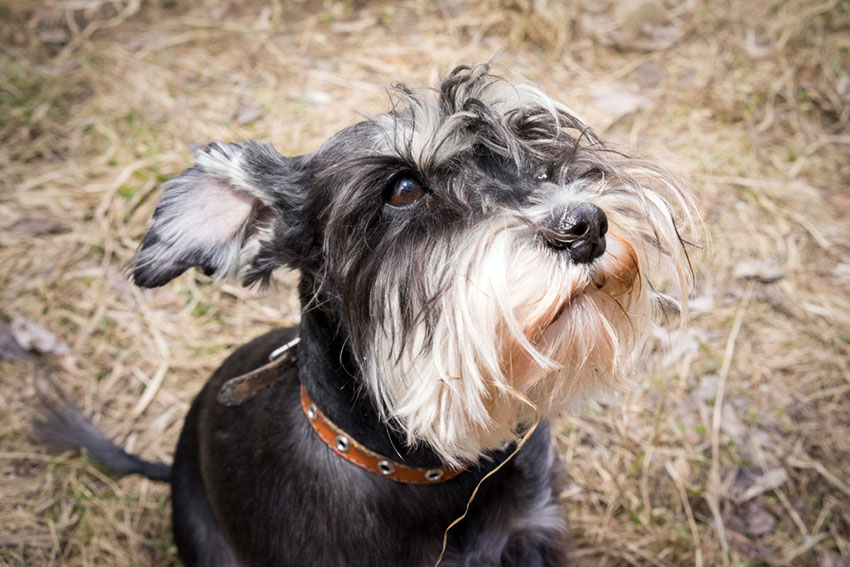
<point x="342" y="444"/>
<point x="434" y="475"/>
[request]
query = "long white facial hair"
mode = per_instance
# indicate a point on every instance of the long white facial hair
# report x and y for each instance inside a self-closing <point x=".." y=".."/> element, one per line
<point x="516" y="316"/>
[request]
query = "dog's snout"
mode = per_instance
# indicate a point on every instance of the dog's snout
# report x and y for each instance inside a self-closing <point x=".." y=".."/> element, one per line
<point x="579" y="230"/>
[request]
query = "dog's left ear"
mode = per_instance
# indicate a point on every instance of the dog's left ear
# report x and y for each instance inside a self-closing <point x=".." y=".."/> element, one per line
<point x="216" y="215"/>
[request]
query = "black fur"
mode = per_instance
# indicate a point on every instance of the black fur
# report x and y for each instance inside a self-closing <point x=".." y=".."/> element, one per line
<point x="62" y="426"/>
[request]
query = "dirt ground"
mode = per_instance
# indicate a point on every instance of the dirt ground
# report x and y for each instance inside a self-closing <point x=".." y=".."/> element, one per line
<point x="733" y="448"/>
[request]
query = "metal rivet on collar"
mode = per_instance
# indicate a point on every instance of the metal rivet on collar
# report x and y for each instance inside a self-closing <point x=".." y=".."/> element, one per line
<point x="342" y="444"/>
<point x="434" y="475"/>
<point x="386" y="467"/>
<point x="312" y="412"/>
<point x="281" y="350"/>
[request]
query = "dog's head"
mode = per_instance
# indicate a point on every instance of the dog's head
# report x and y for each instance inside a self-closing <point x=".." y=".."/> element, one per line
<point x="475" y="242"/>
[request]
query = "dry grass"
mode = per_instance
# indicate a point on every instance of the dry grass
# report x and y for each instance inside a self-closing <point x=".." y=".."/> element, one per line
<point x="734" y="450"/>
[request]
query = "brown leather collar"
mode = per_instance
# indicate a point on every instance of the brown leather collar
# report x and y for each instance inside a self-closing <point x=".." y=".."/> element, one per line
<point x="240" y="389"/>
<point x="349" y="449"/>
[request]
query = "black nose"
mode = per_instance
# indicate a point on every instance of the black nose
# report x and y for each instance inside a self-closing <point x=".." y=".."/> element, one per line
<point x="580" y="230"/>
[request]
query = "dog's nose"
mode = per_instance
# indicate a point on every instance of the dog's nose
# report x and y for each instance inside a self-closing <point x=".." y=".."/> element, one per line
<point x="580" y="230"/>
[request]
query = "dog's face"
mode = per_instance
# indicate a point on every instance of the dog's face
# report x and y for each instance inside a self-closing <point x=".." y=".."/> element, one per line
<point x="475" y="243"/>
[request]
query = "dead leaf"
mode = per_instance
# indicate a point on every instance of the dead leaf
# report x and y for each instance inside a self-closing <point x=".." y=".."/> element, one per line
<point x="757" y="48"/>
<point x="25" y="539"/>
<point x="759" y="520"/>
<point x="248" y="114"/>
<point x="687" y="78"/>
<point x="55" y="36"/>
<point x="39" y="226"/>
<point x="648" y="39"/>
<point x="32" y="336"/>
<point x="707" y="388"/>
<point x="843" y="85"/>
<point x="734" y="523"/>
<point x="616" y="98"/>
<point x="682" y="469"/>
<point x="731" y="425"/>
<point x="317" y="97"/>
<point x="676" y="344"/>
<point x="648" y="74"/>
<point x="829" y="558"/>
<point x="771" y="479"/>
<point x="24" y="467"/>
<point x="640" y="13"/>
<point x="759" y="270"/>
<point x="122" y="287"/>
<point x="10" y="349"/>
<point x="701" y="304"/>
<point x="842" y="271"/>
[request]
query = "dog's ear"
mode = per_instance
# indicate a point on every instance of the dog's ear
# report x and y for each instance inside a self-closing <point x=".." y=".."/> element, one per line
<point x="218" y="214"/>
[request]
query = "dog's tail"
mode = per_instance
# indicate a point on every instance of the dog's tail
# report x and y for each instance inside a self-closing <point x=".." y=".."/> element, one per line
<point x="59" y="424"/>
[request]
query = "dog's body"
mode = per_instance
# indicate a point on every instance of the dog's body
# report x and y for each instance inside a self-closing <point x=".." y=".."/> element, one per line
<point x="468" y="260"/>
<point x="291" y="501"/>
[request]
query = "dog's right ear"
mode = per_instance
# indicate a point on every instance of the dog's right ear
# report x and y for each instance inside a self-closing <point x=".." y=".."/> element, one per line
<point x="217" y="214"/>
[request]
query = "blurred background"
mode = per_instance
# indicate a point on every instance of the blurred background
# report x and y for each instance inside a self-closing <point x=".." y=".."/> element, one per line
<point x="733" y="448"/>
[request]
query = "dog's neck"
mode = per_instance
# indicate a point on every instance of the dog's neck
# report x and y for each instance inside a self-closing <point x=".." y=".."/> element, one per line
<point x="327" y="370"/>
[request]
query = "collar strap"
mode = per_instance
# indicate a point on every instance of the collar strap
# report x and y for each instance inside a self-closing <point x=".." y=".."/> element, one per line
<point x="242" y="388"/>
<point x="349" y="449"/>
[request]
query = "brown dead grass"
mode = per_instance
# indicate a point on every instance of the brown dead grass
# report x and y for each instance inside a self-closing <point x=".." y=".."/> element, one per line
<point x="734" y="450"/>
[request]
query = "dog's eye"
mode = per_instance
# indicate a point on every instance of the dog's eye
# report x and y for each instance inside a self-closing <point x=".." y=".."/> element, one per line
<point x="405" y="191"/>
<point x="542" y="175"/>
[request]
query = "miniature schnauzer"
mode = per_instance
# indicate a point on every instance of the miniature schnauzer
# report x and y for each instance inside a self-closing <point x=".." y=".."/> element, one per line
<point x="470" y="261"/>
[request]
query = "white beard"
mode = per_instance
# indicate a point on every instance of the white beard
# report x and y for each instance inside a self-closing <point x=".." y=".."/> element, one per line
<point x="516" y="316"/>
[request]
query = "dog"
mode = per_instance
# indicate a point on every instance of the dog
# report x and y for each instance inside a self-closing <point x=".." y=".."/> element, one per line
<point x="472" y="262"/>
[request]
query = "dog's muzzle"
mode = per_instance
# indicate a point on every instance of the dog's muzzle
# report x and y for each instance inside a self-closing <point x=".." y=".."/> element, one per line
<point x="580" y="231"/>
